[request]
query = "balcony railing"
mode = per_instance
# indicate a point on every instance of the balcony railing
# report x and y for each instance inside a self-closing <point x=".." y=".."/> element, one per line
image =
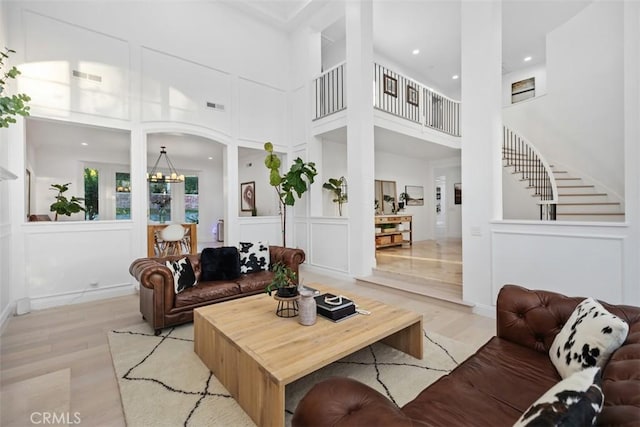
<point x="330" y="92"/>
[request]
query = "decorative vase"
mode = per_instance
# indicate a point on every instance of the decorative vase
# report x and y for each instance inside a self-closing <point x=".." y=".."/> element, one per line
<point x="307" y="311"/>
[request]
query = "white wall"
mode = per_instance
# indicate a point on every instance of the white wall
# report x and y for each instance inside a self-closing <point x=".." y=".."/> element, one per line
<point x="334" y="161"/>
<point x="451" y="171"/>
<point x="251" y="168"/>
<point x="334" y="54"/>
<point x="580" y="122"/>
<point x="517" y="200"/>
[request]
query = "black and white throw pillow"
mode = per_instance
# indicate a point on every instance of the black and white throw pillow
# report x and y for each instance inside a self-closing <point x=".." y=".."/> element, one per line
<point x="183" y="275"/>
<point x="254" y="257"/>
<point x="575" y="401"/>
<point x="587" y="339"/>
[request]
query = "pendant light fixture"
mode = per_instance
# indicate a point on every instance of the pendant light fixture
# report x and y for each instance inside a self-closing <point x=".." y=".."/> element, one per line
<point x="156" y="176"/>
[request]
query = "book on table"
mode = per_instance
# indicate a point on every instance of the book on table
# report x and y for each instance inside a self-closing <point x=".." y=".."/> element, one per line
<point x="334" y="307"/>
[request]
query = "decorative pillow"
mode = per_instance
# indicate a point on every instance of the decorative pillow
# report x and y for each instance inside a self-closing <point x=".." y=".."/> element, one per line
<point x="575" y="401"/>
<point x="587" y="339"/>
<point x="254" y="257"/>
<point x="219" y="264"/>
<point x="183" y="275"/>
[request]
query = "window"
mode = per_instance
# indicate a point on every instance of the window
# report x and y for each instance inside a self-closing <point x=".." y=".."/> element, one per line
<point x="91" y="194"/>
<point x="123" y="195"/>
<point x="191" y="202"/>
<point x="159" y="202"/>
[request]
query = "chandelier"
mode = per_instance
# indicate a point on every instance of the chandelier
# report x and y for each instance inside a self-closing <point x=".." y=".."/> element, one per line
<point x="156" y="176"/>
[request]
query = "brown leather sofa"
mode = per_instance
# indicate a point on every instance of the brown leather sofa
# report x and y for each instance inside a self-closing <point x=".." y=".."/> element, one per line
<point x="497" y="384"/>
<point x="161" y="307"/>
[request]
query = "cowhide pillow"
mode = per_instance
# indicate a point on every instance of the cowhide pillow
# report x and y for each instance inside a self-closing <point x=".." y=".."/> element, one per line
<point x="254" y="257"/>
<point x="183" y="275"/>
<point x="587" y="339"/>
<point x="575" y="401"/>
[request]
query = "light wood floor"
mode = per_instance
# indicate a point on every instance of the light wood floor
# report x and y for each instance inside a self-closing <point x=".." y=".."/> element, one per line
<point x="58" y="359"/>
<point x="438" y="260"/>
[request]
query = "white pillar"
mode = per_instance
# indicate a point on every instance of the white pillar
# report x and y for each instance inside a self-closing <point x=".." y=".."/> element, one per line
<point x="360" y="144"/>
<point x="481" y="42"/>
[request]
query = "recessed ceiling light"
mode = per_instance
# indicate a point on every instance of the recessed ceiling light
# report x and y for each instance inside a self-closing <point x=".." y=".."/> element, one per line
<point x="84" y="144"/>
<point x="210" y="158"/>
<point x="415" y="51"/>
<point x="527" y="59"/>
<point x="455" y="77"/>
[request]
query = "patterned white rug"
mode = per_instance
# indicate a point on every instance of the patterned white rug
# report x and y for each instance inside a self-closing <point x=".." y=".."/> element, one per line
<point x="163" y="382"/>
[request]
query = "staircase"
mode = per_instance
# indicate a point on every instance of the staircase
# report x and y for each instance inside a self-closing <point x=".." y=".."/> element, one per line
<point x="579" y="200"/>
<point x="568" y="196"/>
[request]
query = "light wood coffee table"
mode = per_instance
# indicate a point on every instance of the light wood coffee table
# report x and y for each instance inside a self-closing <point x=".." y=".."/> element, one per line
<point x="255" y="353"/>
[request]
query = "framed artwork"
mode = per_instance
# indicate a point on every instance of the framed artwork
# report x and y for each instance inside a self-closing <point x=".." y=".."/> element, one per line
<point x="524" y="89"/>
<point x="412" y="95"/>
<point x="457" y="193"/>
<point x="247" y="196"/>
<point x="390" y="85"/>
<point x="415" y="195"/>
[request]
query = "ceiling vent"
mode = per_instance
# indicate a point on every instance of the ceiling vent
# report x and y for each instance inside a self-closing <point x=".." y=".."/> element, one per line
<point x="215" y="106"/>
<point x="87" y="76"/>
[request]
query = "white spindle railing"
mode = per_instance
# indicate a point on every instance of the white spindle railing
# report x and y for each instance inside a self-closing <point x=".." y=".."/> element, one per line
<point x="394" y="94"/>
<point x="330" y="92"/>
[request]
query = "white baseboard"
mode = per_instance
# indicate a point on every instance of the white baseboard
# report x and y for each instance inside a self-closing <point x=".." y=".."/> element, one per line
<point x="6" y="314"/>
<point x="485" y="310"/>
<point x="85" y="295"/>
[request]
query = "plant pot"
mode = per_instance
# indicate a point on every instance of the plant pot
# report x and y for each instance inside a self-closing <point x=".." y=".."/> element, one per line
<point x="287" y="292"/>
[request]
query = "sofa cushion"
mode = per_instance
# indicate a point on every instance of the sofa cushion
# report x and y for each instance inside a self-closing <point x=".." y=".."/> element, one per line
<point x="488" y="385"/>
<point x="587" y="339"/>
<point x="219" y="264"/>
<point x="574" y="401"/>
<point x="254" y="257"/>
<point x="254" y="282"/>
<point x="183" y="274"/>
<point x="207" y="292"/>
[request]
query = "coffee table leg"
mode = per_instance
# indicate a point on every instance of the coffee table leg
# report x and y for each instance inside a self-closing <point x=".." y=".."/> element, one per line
<point x="408" y="340"/>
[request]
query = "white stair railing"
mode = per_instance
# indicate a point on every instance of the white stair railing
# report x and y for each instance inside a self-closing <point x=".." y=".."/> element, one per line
<point x="330" y="93"/>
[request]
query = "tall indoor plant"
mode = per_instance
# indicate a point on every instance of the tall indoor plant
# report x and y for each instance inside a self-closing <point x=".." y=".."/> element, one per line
<point x="336" y="186"/>
<point x="295" y="182"/>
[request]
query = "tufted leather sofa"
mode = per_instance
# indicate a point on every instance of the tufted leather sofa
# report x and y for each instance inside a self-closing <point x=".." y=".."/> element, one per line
<point x="497" y="384"/>
<point x="161" y="307"/>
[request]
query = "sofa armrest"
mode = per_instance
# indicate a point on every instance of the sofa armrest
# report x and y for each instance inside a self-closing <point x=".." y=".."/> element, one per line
<point x="143" y="269"/>
<point x="291" y="257"/>
<point x="346" y="402"/>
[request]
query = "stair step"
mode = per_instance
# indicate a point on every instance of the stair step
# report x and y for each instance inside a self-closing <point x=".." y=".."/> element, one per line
<point x="567" y="179"/>
<point x="599" y="208"/>
<point x="559" y="171"/>
<point x="581" y="194"/>
<point x="609" y="217"/>
<point x="576" y="189"/>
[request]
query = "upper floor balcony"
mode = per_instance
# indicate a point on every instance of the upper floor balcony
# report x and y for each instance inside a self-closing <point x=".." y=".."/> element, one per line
<point x="394" y="94"/>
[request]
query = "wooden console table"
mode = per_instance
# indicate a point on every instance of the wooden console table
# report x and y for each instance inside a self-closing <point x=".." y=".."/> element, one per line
<point x="152" y="241"/>
<point x="390" y="233"/>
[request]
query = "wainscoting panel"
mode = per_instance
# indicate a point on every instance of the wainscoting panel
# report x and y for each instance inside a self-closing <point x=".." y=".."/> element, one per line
<point x="76" y="258"/>
<point x="176" y="89"/>
<point x="70" y="68"/>
<point x="330" y="244"/>
<point x="572" y="264"/>
<point x="265" y="229"/>
<point x="300" y="115"/>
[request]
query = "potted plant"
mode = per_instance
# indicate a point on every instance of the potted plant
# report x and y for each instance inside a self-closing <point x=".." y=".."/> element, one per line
<point x="402" y="200"/>
<point x="337" y="185"/>
<point x="283" y="282"/>
<point x="12" y="105"/>
<point x="295" y="182"/>
<point x="64" y="206"/>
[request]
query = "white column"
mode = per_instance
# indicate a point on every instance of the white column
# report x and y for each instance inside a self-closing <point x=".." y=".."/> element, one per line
<point x="481" y="42"/>
<point x="360" y="146"/>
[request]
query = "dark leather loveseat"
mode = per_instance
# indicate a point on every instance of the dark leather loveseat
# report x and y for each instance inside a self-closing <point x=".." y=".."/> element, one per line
<point x="161" y="307"/>
<point x="497" y="384"/>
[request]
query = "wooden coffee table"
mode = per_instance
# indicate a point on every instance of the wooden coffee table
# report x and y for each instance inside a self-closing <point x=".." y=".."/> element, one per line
<point x="255" y="353"/>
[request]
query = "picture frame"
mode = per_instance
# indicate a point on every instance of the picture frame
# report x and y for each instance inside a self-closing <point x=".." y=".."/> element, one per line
<point x="390" y="85"/>
<point x="415" y="195"/>
<point x="413" y="97"/>
<point x="457" y="193"/>
<point x="248" y="196"/>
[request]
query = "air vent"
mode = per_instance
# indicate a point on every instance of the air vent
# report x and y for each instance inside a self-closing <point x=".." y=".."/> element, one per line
<point x="215" y="106"/>
<point x="87" y="76"/>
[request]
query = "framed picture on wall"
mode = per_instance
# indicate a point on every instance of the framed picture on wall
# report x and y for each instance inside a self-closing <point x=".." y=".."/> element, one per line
<point x="415" y="195"/>
<point x="412" y="95"/>
<point x="248" y="196"/>
<point x="457" y="193"/>
<point x="390" y="85"/>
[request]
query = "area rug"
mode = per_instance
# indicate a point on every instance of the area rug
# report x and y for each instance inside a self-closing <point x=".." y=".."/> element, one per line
<point x="163" y="382"/>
